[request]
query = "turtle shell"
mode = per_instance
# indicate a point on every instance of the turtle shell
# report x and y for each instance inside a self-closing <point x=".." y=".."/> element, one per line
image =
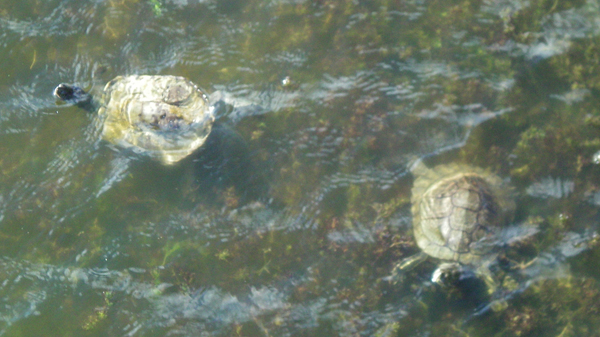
<point x="167" y="117"/>
<point x="458" y="212"/>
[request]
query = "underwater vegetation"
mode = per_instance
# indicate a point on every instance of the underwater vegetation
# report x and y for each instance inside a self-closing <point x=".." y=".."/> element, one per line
<point x="295" y="229"/>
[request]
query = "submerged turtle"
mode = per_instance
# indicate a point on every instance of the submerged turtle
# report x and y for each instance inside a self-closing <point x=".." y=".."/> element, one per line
<point x="167" y="117"/>
<point x="459" y="213"/>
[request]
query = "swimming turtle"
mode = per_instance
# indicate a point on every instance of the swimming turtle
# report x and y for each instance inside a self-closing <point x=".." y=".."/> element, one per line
<point x="166" y="117"/>
<point x="459" y="215"/>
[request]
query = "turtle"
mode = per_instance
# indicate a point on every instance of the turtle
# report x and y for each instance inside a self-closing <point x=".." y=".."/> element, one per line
<point x="166" y="117"/>
<point x="460" y="214"/>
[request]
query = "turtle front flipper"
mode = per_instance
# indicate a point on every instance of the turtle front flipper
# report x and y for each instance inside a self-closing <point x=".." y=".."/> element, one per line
<point x="406" y="265"/>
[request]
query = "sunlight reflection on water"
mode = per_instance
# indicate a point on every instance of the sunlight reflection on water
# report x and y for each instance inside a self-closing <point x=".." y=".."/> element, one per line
<point x="292" y="224"/>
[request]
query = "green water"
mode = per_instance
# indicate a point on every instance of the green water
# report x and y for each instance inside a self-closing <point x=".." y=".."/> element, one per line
<point x="291" y="219"/>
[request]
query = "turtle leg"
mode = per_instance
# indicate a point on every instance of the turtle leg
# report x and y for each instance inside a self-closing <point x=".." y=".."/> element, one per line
<point x="522" y="265"/>
<point x="400" y="269"/>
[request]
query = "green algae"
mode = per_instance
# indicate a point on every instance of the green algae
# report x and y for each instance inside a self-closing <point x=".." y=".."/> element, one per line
<point x="341" y="231"/>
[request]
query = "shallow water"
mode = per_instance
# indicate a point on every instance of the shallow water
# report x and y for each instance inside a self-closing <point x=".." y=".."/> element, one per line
<point x="292" y="217"/>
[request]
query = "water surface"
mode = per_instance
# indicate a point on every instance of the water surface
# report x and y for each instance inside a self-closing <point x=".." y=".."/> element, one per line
<point x="290" y="220"/>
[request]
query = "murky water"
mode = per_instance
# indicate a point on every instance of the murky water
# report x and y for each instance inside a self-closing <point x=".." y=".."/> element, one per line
<point x="291" y="218"/>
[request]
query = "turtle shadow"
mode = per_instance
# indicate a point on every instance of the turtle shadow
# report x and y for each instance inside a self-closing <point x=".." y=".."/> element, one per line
<point x="225" y="165"/>
<point x="222" y="172"/>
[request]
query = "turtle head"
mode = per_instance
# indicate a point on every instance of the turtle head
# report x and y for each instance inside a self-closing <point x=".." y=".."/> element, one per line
<point x="451" y="274"/>
<point x="465" y="283"/>
<point x="74" y="95"/>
